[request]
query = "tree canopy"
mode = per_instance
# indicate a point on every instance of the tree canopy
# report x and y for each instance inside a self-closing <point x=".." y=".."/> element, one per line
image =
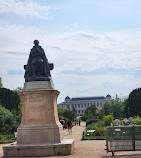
<point x="134" y="102"/>
<point x="1" y="85"/>
<point x="9" y="99"/>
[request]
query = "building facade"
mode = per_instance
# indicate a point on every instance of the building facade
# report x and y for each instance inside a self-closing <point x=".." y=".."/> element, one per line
<point x="80" y="104"/>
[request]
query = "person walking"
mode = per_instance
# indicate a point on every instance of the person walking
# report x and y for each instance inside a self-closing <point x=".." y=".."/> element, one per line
<point x="75" y="122"/>
<point x="69" y="127"/>
<point x="79" y="122"/>
<point x="62" y="121"/>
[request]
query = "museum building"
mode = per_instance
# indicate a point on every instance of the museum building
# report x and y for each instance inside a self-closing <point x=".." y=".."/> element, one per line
<point x="80" y="104"/>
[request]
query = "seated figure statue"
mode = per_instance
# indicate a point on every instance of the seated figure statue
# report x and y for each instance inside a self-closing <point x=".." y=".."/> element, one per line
<point x="37" y="68"/>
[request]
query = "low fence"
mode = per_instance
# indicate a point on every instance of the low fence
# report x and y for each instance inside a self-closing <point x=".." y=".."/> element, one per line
<point x="123" y="138"/>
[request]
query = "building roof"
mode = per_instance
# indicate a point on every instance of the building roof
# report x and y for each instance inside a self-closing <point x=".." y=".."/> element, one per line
<point x="108" y="96"/>
<point x="88" y="98"/>
<point x="67" y="97"/>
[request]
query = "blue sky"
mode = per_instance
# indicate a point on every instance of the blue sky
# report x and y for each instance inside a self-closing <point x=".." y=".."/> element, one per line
<point x="94" y="45"/>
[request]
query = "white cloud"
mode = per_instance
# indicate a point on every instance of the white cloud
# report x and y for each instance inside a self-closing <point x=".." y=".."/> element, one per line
<point x="91" y="59"/>
<point x="24" y="8"/>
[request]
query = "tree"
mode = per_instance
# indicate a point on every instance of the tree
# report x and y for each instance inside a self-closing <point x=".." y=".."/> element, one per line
<point x="1" y="85"/>
<point x="108" y="120"/>
<point x="18" y="89"/>
<point x="115" y="107"/>
<point x="126" y="108"/>
<point x="106" y="109"/>
<point x="9" y="99"/>
<point x="60" y="112"/>
<point x="92" y="110"/>
<point x="7" y="121"/>
<point x="134" y="102"/>
<point x="69" y="114"/>
<point x="66" y="114"/>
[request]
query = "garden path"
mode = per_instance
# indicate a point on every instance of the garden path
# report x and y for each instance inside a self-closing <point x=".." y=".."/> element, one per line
<point x="89" y="148"/>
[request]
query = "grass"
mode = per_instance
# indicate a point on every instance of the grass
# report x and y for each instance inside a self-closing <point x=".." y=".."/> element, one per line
<point x="7" y="139"/>
<point x="94" y="138"/>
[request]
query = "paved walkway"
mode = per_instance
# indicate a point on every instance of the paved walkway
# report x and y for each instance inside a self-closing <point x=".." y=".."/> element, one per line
<point x="90" y="148"/>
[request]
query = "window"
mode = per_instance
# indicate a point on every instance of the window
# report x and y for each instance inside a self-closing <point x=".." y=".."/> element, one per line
<point x="94" y="103"/>
<point x="68" y="106"/>
<point x="88" y="105"/>
<point x="81" y="105"/>
<point x="72" y="105"/>
<point x="78" y="111"/>
<point x="100" y="104"/>
<point x="82" y="111"/>
<point x="97" y="104"/>
<point x="91" y="104"/>
<point x="75" y="105"/>
<point x="85" y="105"/>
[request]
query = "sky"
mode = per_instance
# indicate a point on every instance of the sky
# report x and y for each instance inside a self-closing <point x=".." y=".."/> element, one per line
<point x="95" y="45"/>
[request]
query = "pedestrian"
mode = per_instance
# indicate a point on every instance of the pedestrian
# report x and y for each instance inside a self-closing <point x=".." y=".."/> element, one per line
<point x="79" y="122"/>
<point x="123" y="122"/>
<point x="62" y="121"/>
<point x="69" y="127"/>
<point x="75" y="122"/>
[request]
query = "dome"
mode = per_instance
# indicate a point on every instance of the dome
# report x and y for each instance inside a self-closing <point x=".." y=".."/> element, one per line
<point x="67" y="97"/>
<point x="108" y="96"/>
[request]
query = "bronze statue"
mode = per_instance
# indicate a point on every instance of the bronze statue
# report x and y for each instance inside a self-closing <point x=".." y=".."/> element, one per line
<point x="38" y="68"/>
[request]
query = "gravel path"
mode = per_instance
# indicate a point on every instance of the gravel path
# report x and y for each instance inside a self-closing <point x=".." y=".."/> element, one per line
<point x="90" y="148"/>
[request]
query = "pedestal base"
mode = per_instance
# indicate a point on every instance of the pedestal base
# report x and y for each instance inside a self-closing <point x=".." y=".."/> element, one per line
<point x="39" y="150"/>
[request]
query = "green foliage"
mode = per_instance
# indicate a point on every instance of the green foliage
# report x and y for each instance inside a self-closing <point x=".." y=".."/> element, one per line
<point x="136" y="121"/>
<point x="91" y="120"/>
<point x="106" y="110"/>
<point x="69" y="114"/>
<point x="134" y="102"/>
<point x="84" y="117"/>
<point x="91" y="110"/>
<point x="91" y="115"/>
<point x="9" y="99"/>
<point x="7" y="138"/>
<point x="116" y="107"/>
<point x="7" y="121"/>
<point x="1" y="85"/>
<point x="93" y="137"/>
<point x="98" y="127"/>
<point x="60" y="112"/>
<point x="66" y="114"/>
<point x="108" y="120"/>
<point x="126" y="108"/>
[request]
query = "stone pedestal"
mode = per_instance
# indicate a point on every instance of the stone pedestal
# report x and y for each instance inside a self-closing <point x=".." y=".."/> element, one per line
<point x="40" y="132"/>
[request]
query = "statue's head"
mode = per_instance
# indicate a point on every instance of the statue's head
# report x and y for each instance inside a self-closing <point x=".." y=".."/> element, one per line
<point x="36" y="42"/>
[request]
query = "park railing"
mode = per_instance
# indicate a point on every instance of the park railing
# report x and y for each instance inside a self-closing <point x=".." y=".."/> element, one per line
<point x="123" y="138"/>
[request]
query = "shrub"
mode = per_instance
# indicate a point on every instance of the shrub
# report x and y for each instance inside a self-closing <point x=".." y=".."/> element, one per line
<point x="91" y="121"/>
<point x="84" y="117"/>
<point x="136" y="121"/>
<point x="108" y="120"/>
<point x="98" y="127"/>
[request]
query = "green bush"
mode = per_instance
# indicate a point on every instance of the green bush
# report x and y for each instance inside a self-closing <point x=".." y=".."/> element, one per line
<point x="136" y="121"/>
<point x="98" y="127"/>
<point x="108" y="120"/>
<point x="92" y="137"/>
<point x="91" y="121"/>
<point x="7" y="138"/>
<point x="84" y="117"/>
